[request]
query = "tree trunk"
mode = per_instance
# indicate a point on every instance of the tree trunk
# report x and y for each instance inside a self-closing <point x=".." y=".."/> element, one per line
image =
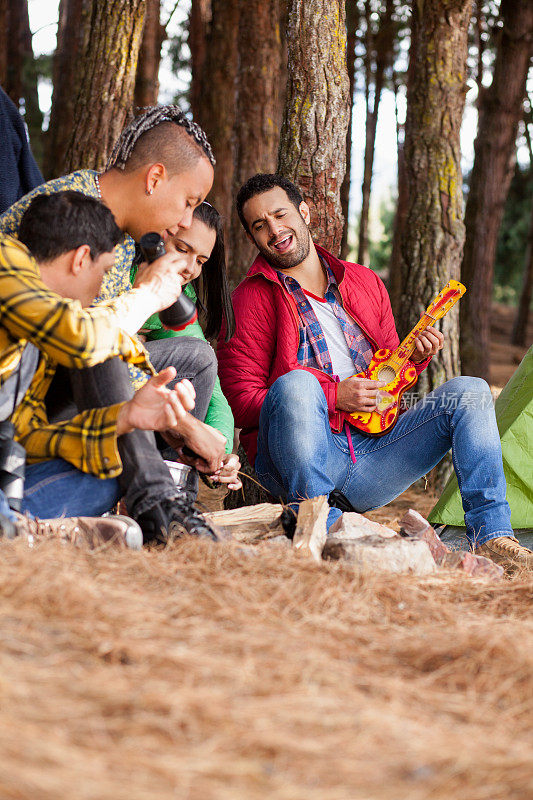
<point x="433" y="232"/>
<point x="395" y="263"/>
<point x="198" y="26"/>
<point x="283" y="70"/>
<point x="519" y="334"/>
<point x="352" y="21"/>
<point x="69" y="36"/>
<point x="20" y="74"/>
<point x="218" y="101"/>
<point x="382" y="46"/>
<point x="499" y="115"/>
<point x="480" y="45"/>
<point x="15" y="50"/>
<point x="256" y="126"/>
<point x="101" y="81"/>
<point x="147" y="76"/>
<point x="394" y="268"/>
<point x="312" y="149"/>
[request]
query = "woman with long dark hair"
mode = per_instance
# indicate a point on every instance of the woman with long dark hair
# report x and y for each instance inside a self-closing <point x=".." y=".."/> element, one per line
<point x="206" y="283"/>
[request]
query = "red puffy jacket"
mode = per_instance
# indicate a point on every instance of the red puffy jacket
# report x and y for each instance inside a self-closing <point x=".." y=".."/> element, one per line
<point x="266" y="339"/>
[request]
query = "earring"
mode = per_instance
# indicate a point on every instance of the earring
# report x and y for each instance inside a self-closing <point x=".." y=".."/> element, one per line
<point x="150" y="190"/>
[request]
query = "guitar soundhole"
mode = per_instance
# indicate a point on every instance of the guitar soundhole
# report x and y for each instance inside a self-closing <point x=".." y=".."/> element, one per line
<point x="386" y="374"/>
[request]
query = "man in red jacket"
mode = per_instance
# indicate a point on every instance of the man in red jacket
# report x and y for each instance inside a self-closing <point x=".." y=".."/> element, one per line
<point x="306" y="322"/>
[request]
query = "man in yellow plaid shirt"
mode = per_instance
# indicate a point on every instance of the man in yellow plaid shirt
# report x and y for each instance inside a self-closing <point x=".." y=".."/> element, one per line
<point x="72" y="464"/>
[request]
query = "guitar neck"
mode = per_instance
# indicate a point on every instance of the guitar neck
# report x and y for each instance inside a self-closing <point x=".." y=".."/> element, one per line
<point x="405" y="349"/>
<point x="408" y="343"/>
<point x="443" y="302"/>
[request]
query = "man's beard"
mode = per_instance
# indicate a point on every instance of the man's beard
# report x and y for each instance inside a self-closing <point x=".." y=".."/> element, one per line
<point x="292" y="259"/>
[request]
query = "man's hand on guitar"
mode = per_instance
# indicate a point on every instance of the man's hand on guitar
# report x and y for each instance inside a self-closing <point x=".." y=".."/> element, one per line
<point x="358" y="394"/>
<point x="427" y="343"/>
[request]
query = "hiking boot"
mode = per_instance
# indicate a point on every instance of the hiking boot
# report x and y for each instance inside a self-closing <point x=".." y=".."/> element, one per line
<point x="173" y="518"/>
<point x="94" y="531"/>
<point x="508" y="552"/>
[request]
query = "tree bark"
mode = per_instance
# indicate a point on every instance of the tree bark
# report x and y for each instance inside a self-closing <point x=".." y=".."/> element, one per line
<point x="499" y="115"/>
<point x="312" y="149"/>
<point x="147" y="76"/>
<point x="519" y="334"/>
<point x="480" y="45"/>
<point x="394" y="269"/>
<point x="432" y="235"/>
<point x="16" y="21"/>
<point x="395" y="263"/>
<point x="69" y="35"/>
<point x="352" y="21"/>
<point x="256" y="127"/>
<point x="218" y="101"/>
<point x="198" y="26"/>
<point x="382" y="46"/>
<point x="101" y="81"/>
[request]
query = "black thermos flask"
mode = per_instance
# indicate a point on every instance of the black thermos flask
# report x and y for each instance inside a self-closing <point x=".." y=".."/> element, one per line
<point x="183" y="311"/>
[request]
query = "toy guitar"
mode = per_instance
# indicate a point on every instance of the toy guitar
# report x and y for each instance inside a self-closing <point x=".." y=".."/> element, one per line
<point x="394" y="367"/>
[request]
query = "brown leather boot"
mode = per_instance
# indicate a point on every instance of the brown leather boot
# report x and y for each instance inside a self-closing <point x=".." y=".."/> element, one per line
<point x="94" y="531"/>
<point x="508" y="552"/>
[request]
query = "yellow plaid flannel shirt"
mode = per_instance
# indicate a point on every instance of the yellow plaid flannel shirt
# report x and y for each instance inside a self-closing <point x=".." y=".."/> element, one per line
<point x="65" y="333"/>
<point x="117" y="280"/>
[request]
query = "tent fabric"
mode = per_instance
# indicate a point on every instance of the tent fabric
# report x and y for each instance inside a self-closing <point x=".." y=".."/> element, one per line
<point x="514" y="413"/>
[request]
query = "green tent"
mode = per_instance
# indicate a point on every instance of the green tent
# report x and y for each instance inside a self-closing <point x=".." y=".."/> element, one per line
<point x="514" y="412"/>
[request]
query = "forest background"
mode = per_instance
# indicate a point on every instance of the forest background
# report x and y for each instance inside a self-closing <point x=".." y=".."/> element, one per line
<point x="273" y="83"/>
<point x="200" y="671"/>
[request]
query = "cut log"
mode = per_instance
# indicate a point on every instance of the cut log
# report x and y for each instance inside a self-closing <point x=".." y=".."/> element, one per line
<point x="473" y="565"/>
<point x="382" y="554"/>
<point x="414" y="526"/>
<point x="249" y="524"/>
<point x="311" y="530"/>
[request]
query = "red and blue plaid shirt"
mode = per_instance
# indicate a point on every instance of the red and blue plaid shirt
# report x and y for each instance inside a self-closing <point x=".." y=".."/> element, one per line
<point x="313" y="348"/>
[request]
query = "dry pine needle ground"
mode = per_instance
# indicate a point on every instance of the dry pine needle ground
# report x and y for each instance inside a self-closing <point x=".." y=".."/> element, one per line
<point x="204" y="672"/>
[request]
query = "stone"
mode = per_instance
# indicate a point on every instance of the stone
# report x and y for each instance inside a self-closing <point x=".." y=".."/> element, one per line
<point x="414" y="526"/>
<point x="375" y="553"/>
<point x="354" y="526"/>
<point x="473" y="565"/>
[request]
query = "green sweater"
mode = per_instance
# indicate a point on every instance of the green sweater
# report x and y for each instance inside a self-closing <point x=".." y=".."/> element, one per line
<point x="219" y="414"/>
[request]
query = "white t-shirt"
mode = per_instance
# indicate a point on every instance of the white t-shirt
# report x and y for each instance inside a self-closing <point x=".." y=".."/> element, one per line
<point x="341" y="359"/>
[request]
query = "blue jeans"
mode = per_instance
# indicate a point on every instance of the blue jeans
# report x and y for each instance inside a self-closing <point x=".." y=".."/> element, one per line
<point x="56" y="488"/>
<point x="300" y="456"/>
